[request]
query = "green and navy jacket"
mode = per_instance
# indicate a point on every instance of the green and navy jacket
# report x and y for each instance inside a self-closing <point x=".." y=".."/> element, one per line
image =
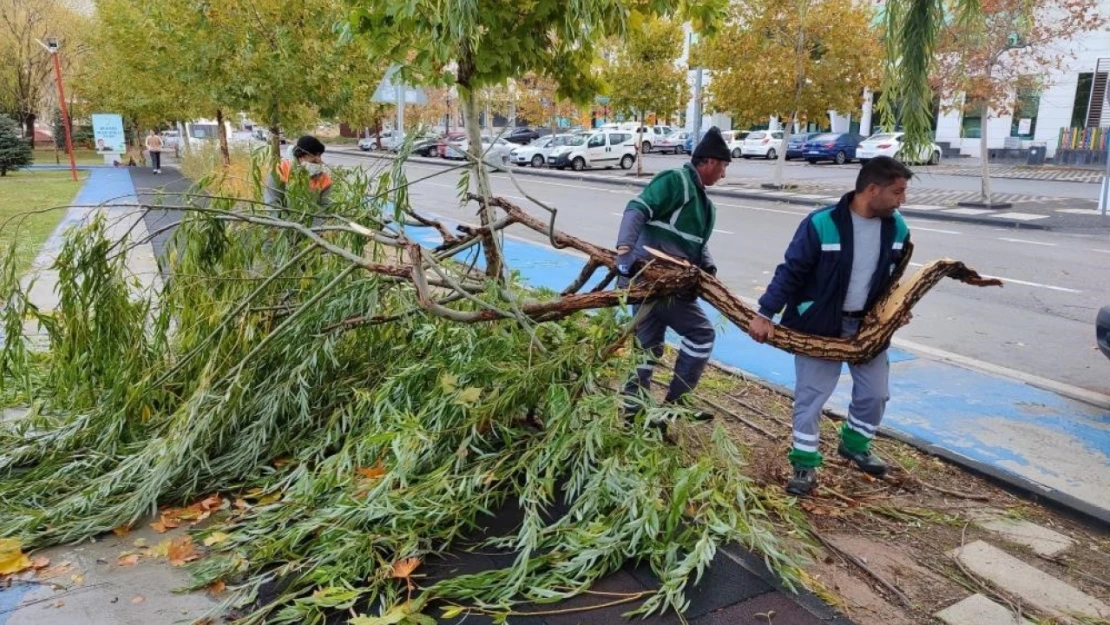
<point x="672" y="214"/>
<point x="810" y="285"/>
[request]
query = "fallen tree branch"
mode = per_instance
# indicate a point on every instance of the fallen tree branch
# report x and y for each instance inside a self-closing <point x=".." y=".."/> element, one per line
<point x="901" y="596"/>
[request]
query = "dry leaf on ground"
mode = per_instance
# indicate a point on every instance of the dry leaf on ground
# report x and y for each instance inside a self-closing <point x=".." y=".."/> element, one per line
<point x="182" y="551"/>
<point x="216" y="588"/>
<point x="403" y="569"/>
<point x="130" y="559"/>
<point x="12" y="558"/>
<point x="137" y="599"/>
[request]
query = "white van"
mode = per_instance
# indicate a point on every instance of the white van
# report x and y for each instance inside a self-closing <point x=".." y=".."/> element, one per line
<point x="604" y="148"/>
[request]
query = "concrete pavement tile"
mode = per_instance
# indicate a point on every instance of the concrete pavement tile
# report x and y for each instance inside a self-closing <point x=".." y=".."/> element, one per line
<point x="979" y="610"/>
<point x="1040" y="539"/>
<point x="772" y="607"/>
<point x="924" y="207"/>
<point x="1032" y="585"/>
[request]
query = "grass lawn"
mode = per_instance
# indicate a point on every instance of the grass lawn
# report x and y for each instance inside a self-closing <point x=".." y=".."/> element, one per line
<point x="83" y="157"/>
<point x="22" y="191"/>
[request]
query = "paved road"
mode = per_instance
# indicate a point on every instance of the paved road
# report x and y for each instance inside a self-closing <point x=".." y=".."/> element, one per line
<point x="1041" y="323"/>
<point x="845" y="175"/>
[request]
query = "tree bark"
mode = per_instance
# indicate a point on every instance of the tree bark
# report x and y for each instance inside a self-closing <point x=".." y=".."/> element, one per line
<point x="225" y="153"/>
<point x="639" y="147"/>
<point x="984" y="152"/>
<point x="490" y="246"/>
<point x="29" y="128"/>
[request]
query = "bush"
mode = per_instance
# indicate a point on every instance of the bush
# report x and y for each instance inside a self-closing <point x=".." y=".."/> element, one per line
<point x="15" y="153"/>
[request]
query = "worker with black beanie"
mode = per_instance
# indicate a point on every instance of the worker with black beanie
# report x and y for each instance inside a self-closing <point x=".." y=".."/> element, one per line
<point x="674" y="215"/>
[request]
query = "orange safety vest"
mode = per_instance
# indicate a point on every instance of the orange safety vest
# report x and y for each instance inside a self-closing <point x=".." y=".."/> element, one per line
<point x="316" y="183"/>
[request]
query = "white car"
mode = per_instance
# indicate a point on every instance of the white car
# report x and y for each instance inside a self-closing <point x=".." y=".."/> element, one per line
<point x="605" y="148"/>
<point x="675" y="143"/>
<point x="496" y="151"/>
<point x="389" y="141"/>
<point x="765" y="143"/>
<point x="890" y="144"/>
<point x="536" y="152"/>
<point x="649" y="136"/>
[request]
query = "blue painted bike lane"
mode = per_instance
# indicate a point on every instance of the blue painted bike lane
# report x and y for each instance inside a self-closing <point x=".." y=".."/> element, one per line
<point x="1050" y="445"/>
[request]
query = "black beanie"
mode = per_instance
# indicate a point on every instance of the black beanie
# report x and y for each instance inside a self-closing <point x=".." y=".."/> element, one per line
<point x="713" y="145"/>
<point x="308" y="145"/>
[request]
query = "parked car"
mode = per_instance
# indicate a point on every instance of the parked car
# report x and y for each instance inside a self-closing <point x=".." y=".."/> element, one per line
<point x="837" y="147"/>
<point x="387" y="141"/>
<point x="673" y="143"/>
<point x="765" y="143"/>
<point x="1102" y="330"/>
<point x="735" y="141"/>
<point x="794" y="145"/>
<point x="523" y="135"/>
<point x="495" y="150"/>
<point x="890" y="144"/>
<point x="649" y="136"/>
<point x="424" y="146"/>
<point x="537" y="152"/>
<point x="441" y="146"/>
<point x="596" y="150"/>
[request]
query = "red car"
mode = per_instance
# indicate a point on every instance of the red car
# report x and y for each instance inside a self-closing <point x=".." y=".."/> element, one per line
<point x="441" y="147"/>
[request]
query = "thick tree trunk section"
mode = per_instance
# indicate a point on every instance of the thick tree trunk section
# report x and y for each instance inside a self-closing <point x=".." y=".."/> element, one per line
<point x="225" y="153"/>
<point x="29" y="128"/>
<point x="490" y="246"/>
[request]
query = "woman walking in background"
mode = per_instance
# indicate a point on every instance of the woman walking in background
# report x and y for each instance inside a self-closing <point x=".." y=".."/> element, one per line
<point x="154" y="146"/>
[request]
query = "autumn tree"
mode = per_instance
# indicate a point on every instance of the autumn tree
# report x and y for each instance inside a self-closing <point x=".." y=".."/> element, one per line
<point x="806" y="58"/>
<point x="538" y="102"/>
<point x="484" y="43"/>
<point x="645" y="77"/>
<point x="986" y="65"/>
<point x="27" y="71"/>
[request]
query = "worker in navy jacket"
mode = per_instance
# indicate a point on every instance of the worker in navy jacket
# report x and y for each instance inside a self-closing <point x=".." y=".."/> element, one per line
<point x="841" y="260"/>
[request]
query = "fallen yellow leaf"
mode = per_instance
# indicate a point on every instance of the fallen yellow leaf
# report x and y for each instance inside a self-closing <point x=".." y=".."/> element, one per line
<point x="402" y="569"/>
<point x="470" y="396"/>
<point x="182" y="550"/>
<point x="128" y="560"/>
<point x="372" y="473"/>
<point x="140" y="542"/>
<point x="122" y="530"/>
<point x="216" y="588"/>
<point x="449" y="382"/>
<point x="162" y="549"/>
<point x="12" y="558"/>
<point x="77" y="579"/>
<point x="215" y="538"/>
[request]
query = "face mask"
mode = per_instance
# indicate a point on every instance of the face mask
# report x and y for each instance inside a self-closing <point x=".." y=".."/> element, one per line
<point x="313" y="169"/>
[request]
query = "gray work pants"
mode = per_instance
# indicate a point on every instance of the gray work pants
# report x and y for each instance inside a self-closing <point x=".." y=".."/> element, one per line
<point x="686" y="318"/>
<point x="815" y="382"/>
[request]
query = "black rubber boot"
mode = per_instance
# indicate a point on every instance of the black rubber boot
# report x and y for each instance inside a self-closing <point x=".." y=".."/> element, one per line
<point x="803" y="481"/>
<point x="688" y="410"/>
<point x="867" y="462"/>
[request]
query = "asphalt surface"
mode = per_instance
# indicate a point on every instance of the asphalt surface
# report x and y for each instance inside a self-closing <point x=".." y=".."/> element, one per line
<point x="1040" y="323"/>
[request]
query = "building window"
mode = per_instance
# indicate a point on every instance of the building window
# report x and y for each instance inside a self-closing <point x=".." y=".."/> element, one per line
<point x="971" y="126"/>
<point x="1024" y="123"/>
<point x="1082" y="100"/>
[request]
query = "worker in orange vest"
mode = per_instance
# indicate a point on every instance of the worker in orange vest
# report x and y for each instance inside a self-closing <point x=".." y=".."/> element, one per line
<point x="308" y="155"/>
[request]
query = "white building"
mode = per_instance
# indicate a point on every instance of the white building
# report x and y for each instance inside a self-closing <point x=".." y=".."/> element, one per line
<point x="1075" y="97"/>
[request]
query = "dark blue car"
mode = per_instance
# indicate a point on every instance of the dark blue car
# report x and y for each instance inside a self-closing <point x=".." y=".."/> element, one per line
<point x="794" y="146"/>
<point x="839" y="148"/>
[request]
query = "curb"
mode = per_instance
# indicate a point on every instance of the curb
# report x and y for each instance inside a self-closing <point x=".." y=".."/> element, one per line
<point x="931" y="215"/>
<point x="1006" y="479"/>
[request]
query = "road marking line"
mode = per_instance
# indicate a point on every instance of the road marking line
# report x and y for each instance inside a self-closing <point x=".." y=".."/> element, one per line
<point x="765" y="210"/>
<point x="724" y="231"/>
<point x="916" y="228"/>
<point x="1023" y="282"/>
<point x="1094" y="249"/>
<point x="1027" y="241"/>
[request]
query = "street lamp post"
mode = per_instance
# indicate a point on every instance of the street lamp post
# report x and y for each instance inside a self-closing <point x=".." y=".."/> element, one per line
<point x="51" y="46"/>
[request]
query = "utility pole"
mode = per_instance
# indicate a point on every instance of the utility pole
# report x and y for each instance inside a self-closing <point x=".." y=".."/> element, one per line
<point x="698" y="77"/>
<point x="1104" y="196"/>
<point x="400" y="86"/>
<point x="51" y="46"/>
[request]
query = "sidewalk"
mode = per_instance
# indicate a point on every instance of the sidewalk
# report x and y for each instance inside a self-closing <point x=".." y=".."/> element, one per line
<point x="1036" y="212"/>
<point x="1036" y="440"/>
<point x="735" y="588"/>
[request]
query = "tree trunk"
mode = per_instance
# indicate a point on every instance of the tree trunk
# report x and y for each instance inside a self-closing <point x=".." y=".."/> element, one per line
<point x="490" y="246"/>
<point x="799" y="84"/>
<point x="781" y="160"/>
<point x="185" y="140"/>
<point x="639" y="147"/>
<point x="225" y="153"/>
<point x="984" y="158"/>
<point x="29" y="128"/>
